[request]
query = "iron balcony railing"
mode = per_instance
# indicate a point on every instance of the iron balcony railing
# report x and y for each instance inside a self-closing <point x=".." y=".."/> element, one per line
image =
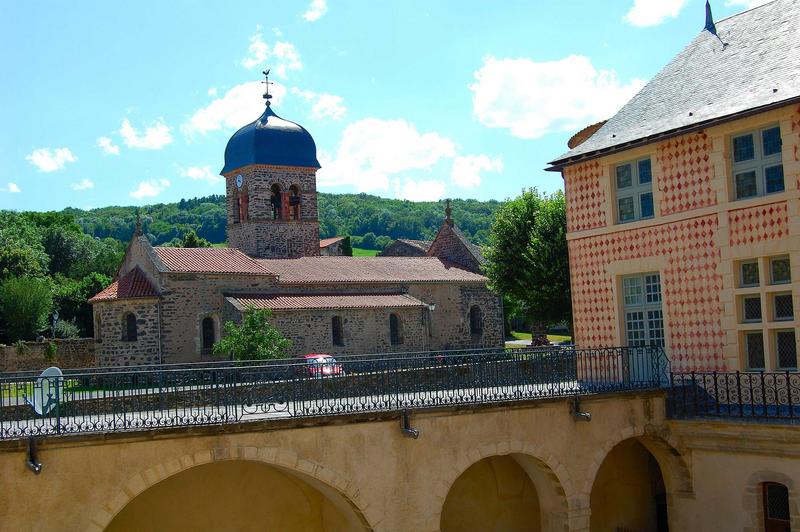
<point x="102" y="400"/>
<point x="752" y="396"/>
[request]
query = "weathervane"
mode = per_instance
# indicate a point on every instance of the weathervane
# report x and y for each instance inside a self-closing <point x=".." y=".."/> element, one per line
<point x="267" y="96"/>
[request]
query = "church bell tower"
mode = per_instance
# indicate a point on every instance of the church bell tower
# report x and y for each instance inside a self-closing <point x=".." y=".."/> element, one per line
<point x="271" y="187"/>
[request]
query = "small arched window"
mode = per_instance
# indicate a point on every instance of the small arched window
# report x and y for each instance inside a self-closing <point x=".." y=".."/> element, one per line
<point x="776" y="507"/>
<point x="294" y="202"/>
<point x="395" y="329"/>
<point x="475" y="321"/>
<point x="208" y="332"/>
<point x="276" y="201"/>
<point x="336" y="331"/>
<point x="236" y="207"/>
<point x="129" y="331"/>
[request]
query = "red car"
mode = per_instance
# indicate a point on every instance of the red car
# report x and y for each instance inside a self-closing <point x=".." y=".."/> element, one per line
<point x="320" y="365"/>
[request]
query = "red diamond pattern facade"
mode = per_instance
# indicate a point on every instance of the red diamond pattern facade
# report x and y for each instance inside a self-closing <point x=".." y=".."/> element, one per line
<point x="586" y="198"/>
<point x="686" y="174"/>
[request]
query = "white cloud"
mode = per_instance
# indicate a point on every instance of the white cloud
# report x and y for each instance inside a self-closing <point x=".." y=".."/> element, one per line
<point x="422" y="190"/>
<point x="47" y="160"/>
<point x="200" y="173"/>
<point x="653" y="12"/>
<point x="108" y="146"/>
<point x="84" y="184"/>
<point x="372" y="151"/>
<point x="746" y="4"/>
<point x="323" y="105"/>
<point x="150" y="188"/>
<point x="155" y="136"/>
<point x="315" y="10"/>
<point x="283" y="55"/>
<point x="239" y="106"/>
<point x="466" y="172"/>
<point x="212" y="91"/>
<point x="12" y="187"/>
<point x="531" y="98"/>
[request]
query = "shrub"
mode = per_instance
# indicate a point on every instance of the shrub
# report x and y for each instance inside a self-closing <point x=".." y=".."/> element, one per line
<point x="25" y="304"/>
<point x="254" y="339"/>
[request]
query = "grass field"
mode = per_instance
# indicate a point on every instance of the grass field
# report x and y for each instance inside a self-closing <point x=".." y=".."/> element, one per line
<point x="358" y="252"/>
<point x="554" y="338"/>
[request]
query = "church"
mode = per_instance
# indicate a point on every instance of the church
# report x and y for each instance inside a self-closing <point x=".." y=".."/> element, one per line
<point x="168" y="305"/>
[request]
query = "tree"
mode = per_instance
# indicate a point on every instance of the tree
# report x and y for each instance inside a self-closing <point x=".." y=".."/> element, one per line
<point x="71" y="299"/>
<point x="191" y="240"/>
<point x="254" y="339"/>
<point x="25" y="304"/>
<point x="347" y="247"/>
<point x="527" y="257"/>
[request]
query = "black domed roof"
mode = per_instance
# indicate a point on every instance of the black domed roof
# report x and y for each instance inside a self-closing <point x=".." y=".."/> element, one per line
<point x="271" y="140"/>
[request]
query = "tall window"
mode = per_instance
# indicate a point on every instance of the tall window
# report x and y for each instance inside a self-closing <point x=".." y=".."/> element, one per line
<point x="634" y="191"/>
<point x="129" y="332"/>
<point x="98" y="327"/>
<point x="757" y="163"/>
<point x="475" y="321"/>
<point x="237" y="208"/>
<point x="337" y="331"/>
<point x="644" y="319"/>
<point x="294" y="202"/>
<point x="208" y="333"/>
<point x="776" y="507"/>
<point x="276" y="201"/>
<point x="395" y="330"/>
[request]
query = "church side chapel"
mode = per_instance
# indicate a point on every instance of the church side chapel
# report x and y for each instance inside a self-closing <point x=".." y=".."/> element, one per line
<point x="168" y="305"/>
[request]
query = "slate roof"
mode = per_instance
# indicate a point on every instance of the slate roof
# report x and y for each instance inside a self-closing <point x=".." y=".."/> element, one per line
<point x="306" y="270"/>
<point x="706" y="82"/>
<point x="208" y="260"/>
<point x="132" y="285"/>
<point x="324" y="302"/>
<point x="325" y="242"/>
<point x="270" y="140"/>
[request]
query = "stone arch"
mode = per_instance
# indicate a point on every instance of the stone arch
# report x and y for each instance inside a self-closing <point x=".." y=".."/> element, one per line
<point x="673" y="468"/>
<point x="203" y="331"/>
<point x="752" y="499"/>
<point x="331" y="481"/>
<point x="551" y="479"/>
<point x="295" y="197"/>
<point x="276" y="200"/>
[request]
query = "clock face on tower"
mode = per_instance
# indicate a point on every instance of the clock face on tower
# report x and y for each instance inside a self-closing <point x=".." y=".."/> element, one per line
<point x="239" y="180"/>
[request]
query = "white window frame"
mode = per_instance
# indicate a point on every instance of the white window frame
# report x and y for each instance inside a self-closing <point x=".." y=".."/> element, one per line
<point x="771" y="270"/>
<point x="775" y="297"/>
<point x="777" y="349"/>
<point x="638" y="300"/>
<point x="758" y="164"/>
<point x="634" y="191"/>
<point x="744" y="263"/>
<point x="745" y="319"/>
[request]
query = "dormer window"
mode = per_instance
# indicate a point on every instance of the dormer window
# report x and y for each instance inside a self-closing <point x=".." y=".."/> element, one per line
<point x="634" y="190"/>
<point x="757" y="163"/>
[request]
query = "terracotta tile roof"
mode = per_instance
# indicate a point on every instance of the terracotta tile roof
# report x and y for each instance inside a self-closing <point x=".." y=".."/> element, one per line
<point x="424" y="245"/>
<point x="322" y="302"/>
<point x="325" y="242"/>
<point x="208" y="260"/>
<point x="133" y="284"/>
<point x="367" y="270"/>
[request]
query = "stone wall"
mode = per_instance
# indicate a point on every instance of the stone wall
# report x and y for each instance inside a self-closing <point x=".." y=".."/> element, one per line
<point x="450" y="244"/>
<point x="363" y="330"/>
<point x="258" y="234"/>
<point x="70" y="353"/>
<point x="111" y="349"/>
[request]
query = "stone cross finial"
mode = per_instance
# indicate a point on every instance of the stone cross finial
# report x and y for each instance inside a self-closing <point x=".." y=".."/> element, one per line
<point x="447" y="212"/>
<point x="267" y="96"/>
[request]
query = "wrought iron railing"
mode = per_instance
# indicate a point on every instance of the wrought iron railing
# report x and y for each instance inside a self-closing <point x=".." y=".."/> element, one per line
<point x="150" y="397"/>
<point x="753" y="396"/>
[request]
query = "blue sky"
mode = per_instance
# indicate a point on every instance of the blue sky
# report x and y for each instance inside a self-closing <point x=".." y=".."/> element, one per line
<point x="130" y="103"/>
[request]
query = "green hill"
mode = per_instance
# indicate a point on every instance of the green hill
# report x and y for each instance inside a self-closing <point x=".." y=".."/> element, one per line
<point x="357" y="215"/>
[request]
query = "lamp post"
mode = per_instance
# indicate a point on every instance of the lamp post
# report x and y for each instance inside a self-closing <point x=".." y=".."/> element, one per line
<point x="53" y="321"/>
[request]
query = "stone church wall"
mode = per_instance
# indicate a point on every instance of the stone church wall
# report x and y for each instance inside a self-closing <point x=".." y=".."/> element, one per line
<point x="70" y="353"/>
<point x="275" y="239"/>
<point x="111" y="349"/>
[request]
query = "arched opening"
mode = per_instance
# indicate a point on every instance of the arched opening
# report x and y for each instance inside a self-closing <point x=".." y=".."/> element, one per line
<point x="475" y="321"/>
<point x="395" y="329"/>
<point x="337" y="331"/>
<point x="238" y="495"/>
<point x="276" y="201"/>
<point x="495" y="493"/>
<point x="629" y="491"/>
<point x="208" y="333"/>
<point x="130" y="332"/>
<point x="294" y="202"/>
<point x="775" y="507"/>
